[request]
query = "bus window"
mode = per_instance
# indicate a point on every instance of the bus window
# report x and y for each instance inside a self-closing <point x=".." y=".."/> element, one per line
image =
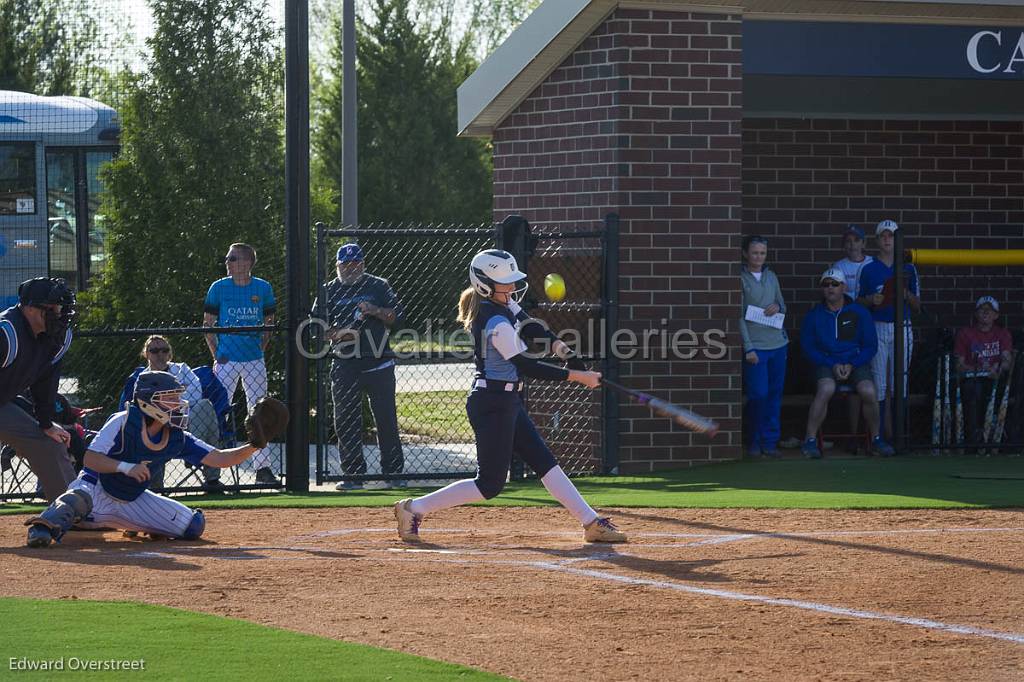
<point x="17" y="178"/>
<point x="97" y="221"/>
<point x="60" y="213"/>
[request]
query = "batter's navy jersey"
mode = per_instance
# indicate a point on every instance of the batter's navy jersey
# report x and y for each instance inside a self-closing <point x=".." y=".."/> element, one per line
<point x="496" y="342"/>
<point x="121" y="439"/>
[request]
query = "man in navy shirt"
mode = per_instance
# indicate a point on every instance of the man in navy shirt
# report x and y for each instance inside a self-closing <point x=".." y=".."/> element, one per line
<point x="34" y="336"/>
<point x="360" y="308"/>
<point x="877" y="283"/>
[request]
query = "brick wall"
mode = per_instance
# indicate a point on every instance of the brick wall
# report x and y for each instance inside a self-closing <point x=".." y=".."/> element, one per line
<point x="644" y="120"/>
<point x="949" y="184"/>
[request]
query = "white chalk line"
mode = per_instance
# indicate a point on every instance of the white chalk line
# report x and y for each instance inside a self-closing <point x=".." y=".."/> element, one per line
<point x="927" y="623"/>
<point x="705" y="538"/>
<point x="564" y="566"/>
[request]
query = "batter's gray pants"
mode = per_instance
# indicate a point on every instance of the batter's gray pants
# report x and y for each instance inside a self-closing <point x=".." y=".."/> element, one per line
<point x="49" y="460"/>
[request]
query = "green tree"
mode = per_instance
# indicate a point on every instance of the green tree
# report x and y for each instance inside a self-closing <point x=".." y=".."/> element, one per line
<point x="412" y="167"/>
<point x="201" y="163"/>
<point x="60" y="47"/>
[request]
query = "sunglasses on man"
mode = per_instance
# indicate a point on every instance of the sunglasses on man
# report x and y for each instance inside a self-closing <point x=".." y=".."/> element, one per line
<point x="831" y="284"/>
<point x="154" y="351"/>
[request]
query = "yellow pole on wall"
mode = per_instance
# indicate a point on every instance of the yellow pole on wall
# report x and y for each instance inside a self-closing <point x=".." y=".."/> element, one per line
<point x="965" y="257"/>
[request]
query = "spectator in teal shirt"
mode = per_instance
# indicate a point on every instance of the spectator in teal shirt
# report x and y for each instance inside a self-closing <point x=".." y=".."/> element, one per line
<point x="241" y="300"/>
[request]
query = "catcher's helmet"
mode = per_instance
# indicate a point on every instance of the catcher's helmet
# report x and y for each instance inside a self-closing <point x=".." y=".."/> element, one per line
<point x="494" y="266"/>
<point x="158" y="395"/>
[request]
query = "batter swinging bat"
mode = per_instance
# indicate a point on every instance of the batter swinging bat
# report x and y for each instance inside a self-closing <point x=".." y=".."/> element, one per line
<point x="685" y="418"/>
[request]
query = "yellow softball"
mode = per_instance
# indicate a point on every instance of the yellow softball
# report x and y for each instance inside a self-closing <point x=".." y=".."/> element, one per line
<point x="554" y="287"/>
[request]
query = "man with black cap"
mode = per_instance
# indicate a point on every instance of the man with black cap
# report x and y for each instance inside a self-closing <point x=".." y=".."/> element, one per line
<point x="360" y="308"/>
<point x="34" y="336"/>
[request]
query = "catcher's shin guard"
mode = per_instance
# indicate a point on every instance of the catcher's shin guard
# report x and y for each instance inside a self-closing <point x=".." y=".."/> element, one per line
<point x="64" y="512"/>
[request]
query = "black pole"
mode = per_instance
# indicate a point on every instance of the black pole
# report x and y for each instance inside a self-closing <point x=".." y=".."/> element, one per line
<point x="318" y="373"/>
<point x="899" y="412"/>
<point x="610" y="364"/>
<point x="511" y="236"/>
<point x="296" y="193"/>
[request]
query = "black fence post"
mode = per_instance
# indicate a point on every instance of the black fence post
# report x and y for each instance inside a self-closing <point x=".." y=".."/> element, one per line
<point x="318" y="372"/>
<point x="297" y="231"/>
<point x="610" y="363"/>
<point x="512" y="236"/>
<point x="899" y="415"/>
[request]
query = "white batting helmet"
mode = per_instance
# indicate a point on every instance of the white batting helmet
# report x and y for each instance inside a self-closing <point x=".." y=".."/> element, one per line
<point x="494" y="266"/>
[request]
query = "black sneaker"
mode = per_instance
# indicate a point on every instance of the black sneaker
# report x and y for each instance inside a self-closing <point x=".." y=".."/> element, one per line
<point x="214" y="485"/>
<point x="266" y="475"/>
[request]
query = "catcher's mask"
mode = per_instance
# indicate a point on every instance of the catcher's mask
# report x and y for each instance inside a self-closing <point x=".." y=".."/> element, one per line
<point x="43" y="292"/>
<point x="158" y="395"/>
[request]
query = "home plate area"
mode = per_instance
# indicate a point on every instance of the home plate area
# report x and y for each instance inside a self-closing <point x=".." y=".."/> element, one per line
<point x="695" y="594"/>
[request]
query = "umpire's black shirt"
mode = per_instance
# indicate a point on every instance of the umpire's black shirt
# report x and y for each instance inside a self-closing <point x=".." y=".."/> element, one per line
<point x="29" y="361"/>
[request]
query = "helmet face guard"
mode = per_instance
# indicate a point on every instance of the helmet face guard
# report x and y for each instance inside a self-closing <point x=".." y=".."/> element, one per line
<point x="166" y="407"/>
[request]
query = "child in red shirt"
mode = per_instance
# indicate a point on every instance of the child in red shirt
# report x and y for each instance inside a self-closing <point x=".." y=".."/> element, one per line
<point x="982" y="353"/>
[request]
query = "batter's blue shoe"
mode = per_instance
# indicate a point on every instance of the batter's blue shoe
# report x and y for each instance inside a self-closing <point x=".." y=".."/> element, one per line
<point x="810" y="448"/>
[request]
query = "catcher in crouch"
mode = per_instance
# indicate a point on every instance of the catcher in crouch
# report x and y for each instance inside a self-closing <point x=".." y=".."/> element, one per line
<point x="112" y="490"/>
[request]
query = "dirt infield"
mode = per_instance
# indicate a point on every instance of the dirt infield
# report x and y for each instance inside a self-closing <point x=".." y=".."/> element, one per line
<point x="705" y="594"/>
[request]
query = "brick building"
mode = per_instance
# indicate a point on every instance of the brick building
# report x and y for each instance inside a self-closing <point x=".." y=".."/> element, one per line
<point x="698" y="124"/>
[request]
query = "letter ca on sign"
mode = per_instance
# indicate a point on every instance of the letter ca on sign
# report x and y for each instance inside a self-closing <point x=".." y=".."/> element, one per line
<point x="1010" y="57"/>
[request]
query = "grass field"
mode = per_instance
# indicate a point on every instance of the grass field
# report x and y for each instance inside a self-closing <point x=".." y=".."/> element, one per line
<point x="176" y="644"/>
<point x="852" y="483"/>
<point x="437" y="414"/>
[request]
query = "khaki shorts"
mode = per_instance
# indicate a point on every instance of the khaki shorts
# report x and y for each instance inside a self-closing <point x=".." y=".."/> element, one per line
<point x="858" y="375"/>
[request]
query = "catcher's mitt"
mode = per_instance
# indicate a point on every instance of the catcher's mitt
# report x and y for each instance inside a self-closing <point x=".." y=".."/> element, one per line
<point x="268" y="421"/>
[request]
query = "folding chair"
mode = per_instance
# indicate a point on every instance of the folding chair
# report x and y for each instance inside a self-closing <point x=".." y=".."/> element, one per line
<point x="215" y="392"/>
<point x="845" y="393"/>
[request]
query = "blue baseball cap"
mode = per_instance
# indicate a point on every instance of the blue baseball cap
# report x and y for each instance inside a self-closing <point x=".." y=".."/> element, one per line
<point x="350" y="253"/>
<point x="854" y="230"/>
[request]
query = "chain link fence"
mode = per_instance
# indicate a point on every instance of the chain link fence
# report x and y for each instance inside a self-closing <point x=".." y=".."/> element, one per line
<point x="427" y="366"/>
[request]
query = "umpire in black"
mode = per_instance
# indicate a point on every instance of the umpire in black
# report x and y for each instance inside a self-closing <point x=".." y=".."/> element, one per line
<point x="34" y="336"/>
<point x="360" y="308"/>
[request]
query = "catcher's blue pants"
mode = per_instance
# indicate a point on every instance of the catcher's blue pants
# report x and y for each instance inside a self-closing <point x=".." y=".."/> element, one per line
<point x="503" y="427"/>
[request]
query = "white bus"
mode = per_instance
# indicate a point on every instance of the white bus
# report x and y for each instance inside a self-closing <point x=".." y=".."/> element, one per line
<point x="51" y="150"/>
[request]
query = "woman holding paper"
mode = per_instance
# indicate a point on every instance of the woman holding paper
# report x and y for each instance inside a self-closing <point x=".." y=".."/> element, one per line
<point x="764" y="348"/>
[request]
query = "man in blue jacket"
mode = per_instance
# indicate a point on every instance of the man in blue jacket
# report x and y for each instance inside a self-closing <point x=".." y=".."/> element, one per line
<point x="838" y="336"/>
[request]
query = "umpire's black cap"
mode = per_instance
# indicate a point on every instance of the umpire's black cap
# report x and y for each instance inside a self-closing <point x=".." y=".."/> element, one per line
<point x="45" y="291"/>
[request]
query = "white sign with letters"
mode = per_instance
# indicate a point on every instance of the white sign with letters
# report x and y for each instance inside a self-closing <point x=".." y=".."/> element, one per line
<point x="25" y="205"/>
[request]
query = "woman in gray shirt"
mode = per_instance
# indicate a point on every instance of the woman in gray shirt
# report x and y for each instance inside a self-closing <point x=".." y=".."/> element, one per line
<point x="764" y="348"/>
